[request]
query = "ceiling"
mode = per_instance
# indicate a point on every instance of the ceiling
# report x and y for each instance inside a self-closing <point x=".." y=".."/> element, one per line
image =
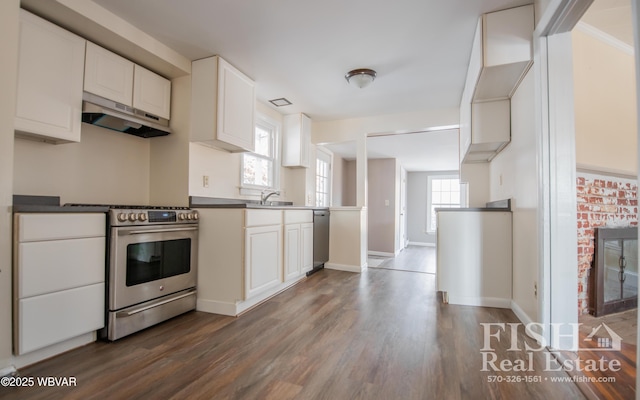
<point x="301" y="50"/>
<point x="612" y="17"/>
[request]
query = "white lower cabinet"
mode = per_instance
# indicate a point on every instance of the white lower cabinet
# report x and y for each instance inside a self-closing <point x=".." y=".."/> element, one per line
<point x="474" y="257"/>
<point x="54" y="317"/>
<point x="298" y="243"/>
<point x="292" y="241"/>
<point x="246" y="256"/>
<point x="263" y="261"/>
<point x="59" y="278"/>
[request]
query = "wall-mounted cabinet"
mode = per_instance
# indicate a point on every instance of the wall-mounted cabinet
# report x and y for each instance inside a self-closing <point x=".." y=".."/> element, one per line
<point x="488" y="133"/>
<point x="500" y="57"/>
<point x="114" y="77"/>
<point x="49" y="87"/>
<point x="502" y="52"/>
<point x="296" y="140"/>
<point x="222" y="106"/>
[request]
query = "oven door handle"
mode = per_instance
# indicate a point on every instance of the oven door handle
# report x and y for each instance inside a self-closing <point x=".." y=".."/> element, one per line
<point x="123" y="314"/>
<point x="142" y="231"/>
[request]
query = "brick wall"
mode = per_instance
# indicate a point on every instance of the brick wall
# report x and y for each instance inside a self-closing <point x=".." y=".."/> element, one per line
<point x="602" y="201"/>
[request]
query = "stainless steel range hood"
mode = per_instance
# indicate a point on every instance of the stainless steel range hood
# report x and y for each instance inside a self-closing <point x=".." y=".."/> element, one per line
<point x="109" y="114"/>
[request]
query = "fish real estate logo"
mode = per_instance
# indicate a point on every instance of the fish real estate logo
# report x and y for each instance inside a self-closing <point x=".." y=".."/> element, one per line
<point x="505" y="336"/>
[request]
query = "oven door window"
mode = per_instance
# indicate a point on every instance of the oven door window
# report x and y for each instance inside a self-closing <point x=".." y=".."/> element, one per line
<point x="150" y="261"/>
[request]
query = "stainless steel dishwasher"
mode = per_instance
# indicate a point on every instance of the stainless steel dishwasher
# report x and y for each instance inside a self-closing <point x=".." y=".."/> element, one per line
<point x="320" y="239"/>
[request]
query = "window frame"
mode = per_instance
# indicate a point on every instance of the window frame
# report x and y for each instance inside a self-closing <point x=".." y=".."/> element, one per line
<point x="430" y="180"/>
<point x="275" y="127"/>
<point x="329" y="156"/>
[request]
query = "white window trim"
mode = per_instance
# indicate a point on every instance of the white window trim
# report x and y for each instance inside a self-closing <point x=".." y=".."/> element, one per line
<point x="255" y="190"/>
<point x="427" y="228"/>
<point x="330" y="193"/>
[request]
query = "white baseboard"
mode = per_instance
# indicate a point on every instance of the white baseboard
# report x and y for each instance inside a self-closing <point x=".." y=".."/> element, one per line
<point x="234" y="309"/>
<point x="217" y="307"/>
<point x="53" y="350"/>
<point x="381" y="254"/>
<point x="480" y="301"/>
<point x="519" y="312"/>
<point x="347" y="268"/>
<point x="425" y="244"/>
<point x="9" y="370"/>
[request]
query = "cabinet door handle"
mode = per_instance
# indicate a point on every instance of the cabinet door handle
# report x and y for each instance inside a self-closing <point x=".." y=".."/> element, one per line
<point x="142" y="231"/>
<point x="123" y="314"/>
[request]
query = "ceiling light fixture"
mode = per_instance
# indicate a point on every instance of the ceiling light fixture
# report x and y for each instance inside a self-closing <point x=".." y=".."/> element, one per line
<point x="361" y="77"/>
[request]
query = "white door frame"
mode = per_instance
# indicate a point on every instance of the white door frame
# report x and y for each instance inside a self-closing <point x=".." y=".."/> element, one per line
<point x="635" y="17"/>
<point x="558" y="275"/>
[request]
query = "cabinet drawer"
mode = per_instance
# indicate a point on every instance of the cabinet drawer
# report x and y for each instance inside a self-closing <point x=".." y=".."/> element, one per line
<point x="35" y="227"/>
<point x="263" y="217"/>
<point x="46" y="267"/>
<point x="52" y="318"/>
<point x="298" y="216"/>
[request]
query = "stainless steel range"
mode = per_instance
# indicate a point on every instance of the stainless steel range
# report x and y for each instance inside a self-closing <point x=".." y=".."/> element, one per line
<point x="151" y="266"/>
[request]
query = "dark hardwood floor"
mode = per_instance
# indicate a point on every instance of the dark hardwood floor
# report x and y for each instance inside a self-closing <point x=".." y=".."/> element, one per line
<point x="381" y="334"/>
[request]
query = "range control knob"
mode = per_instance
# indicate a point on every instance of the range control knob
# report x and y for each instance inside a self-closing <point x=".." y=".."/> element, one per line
<point x="182" y="216"/>
<point x="122" y="217"/>
<point x="189" y="217"/>
<point x="142" y="217"/>
<point x="133" y="217"/>
<point x="195" y="215"/>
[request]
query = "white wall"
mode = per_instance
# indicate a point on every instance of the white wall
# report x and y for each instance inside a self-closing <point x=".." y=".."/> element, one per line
<point x="337" y="178"/>
<point x="349" y="183"/>
<point x="223" y="169"/>
<point x="169" y="172"/>
<point x="106" y="167"/>
<point x="381" y="205"/>
<point x="514" y="175"/>
<point x="605" y="105"/>
<point x="337" y="131"/>
<point x="9" y="50"/>
<point x="477" y="176"/>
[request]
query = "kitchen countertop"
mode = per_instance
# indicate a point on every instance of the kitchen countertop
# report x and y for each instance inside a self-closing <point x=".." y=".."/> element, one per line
<point x="499" y="205"/>
<point x="474" y="209"/>
<point x="214" y="202"/>
<point x="50" y="204"/>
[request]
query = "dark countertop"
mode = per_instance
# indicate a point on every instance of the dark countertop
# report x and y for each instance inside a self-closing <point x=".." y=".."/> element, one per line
<point x="49" y="204"/>
<point x="214" y="202"/>
<point x="492" y="206"/>
<point x="474" y="209"/>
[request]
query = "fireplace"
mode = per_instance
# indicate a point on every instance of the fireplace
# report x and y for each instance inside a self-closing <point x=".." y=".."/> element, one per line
<point x="613" y="281"/>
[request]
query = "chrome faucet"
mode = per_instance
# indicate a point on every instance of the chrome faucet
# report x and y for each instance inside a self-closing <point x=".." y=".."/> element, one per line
<point x="265" y="194"/>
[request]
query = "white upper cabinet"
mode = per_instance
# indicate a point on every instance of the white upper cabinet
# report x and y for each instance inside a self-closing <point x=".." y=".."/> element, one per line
<point x="151" y="92"/>
<point x="296" y="141"/>
<point x="108" y="75"/>
<point x="49" y="87"/>
<point x="222" y="106"/>
<point x="490" y="130"/>
<point x="115" y="78"/>
<point x="502" y="53"/>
